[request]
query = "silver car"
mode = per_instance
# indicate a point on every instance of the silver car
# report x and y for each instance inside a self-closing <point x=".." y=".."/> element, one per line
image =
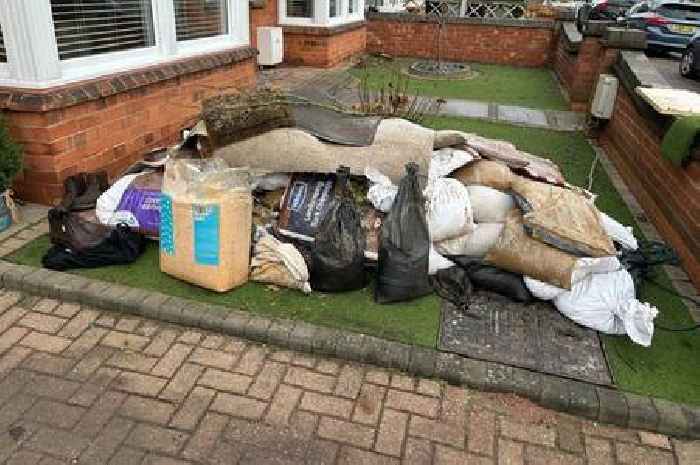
<point x="669" y="24"/>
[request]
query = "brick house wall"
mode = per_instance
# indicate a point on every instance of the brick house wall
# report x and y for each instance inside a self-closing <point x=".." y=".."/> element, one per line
<point x="266" y="15"/>
<point x="669" y="195"/>
<point x="512" y="42"/>
<point x="323" y="47"/>
<point x="110" y="122"/>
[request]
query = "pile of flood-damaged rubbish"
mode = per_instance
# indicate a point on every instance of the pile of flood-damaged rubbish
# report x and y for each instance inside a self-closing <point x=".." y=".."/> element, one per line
<point x="280" y="191"/>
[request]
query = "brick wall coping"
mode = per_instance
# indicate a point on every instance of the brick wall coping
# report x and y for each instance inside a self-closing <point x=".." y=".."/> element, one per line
<point x="578" y="398"/>
<point x="634" y="69"/>
<point x="324" y="31"/>
<point x="32" y="100"/>
<point x="572" y="37"/>
<point x="412" y="18"/>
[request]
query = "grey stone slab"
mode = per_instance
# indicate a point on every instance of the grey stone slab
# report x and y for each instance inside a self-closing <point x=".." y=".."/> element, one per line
<point x="257" y="328"/>
<point x="422" y="362"/>
<point x="449" y="367"/>
<point x="29" y="215"/>
<point x="325" y="341"/>
<point x="534" y="337"/>
<point x="302" y="337"/>
<point x="613" y="406"/>
<point x="525" y="116"/>
<point x="465" y="109"/>
<point x="643" y="414"/>
<point x="279" y="332"/>
<point x="672" y="419"/>
<point x="584" y="400"/>
<point x="692" y="414"/>
<point x="566" y="120"/>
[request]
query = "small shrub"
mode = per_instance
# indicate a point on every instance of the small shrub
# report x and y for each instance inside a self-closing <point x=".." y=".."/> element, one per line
<point x="10" y="158"/>
<point x="393" y="100"/>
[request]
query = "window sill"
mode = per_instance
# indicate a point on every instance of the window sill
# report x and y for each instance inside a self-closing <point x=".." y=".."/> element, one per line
<point x="16" y="98"/>
<point x="327" y="30"/>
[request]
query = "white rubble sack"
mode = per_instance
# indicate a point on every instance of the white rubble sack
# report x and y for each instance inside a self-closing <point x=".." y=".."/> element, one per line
<point x="617" y="232"/>
<point x="489" y="205"/>
<point x="278" y="263"/>
<point x="437" y="262"/>
<point x="474" y="244"/>
<point x="445" y="161"/>
<point x="583" y="268"/>
<point x="606" y="303"/>
<point x="108" y="202"/>
<point x="381" y="191"/>
<point x="270" y="181"/>
<point x="447" y="209"/>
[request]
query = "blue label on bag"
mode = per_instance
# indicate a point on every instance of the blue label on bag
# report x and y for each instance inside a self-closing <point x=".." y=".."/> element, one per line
<point x="206" y="234"/>
<point x="167" y="231"/>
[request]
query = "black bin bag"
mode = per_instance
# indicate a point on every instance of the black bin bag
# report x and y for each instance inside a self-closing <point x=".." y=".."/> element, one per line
<point x="490" y="278"/>
<point x="453" y="285"/>
<point x="121" y="247"/>
<point x="404" y="245"/>
<point x="338" y="253"/>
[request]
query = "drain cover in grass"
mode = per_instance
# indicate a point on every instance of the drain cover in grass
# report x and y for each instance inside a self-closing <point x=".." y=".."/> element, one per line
<point x="535" y="336"/>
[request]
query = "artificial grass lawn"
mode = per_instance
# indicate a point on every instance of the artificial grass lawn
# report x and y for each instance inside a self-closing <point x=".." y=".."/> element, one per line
<point x="669" y="368"/>
<point x="526" y="87"/>
<point x="413" y="322"/>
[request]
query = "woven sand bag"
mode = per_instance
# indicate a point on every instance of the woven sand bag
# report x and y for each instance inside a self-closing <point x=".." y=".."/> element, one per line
<point x="517" y="252"/>
<point x="206" y="220"/>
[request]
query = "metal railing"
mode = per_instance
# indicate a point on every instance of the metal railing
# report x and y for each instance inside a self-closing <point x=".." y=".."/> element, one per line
<point x="457" y="8"/>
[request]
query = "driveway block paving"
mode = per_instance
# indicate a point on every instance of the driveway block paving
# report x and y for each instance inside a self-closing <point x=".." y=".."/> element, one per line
<point x="146" y="392"/>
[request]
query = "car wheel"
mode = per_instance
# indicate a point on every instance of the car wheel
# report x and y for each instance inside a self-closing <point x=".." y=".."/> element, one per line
<point x="687" y="64"/>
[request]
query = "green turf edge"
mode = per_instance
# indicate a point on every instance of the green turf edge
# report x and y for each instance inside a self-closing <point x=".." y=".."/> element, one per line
<point x="414" y="322"/>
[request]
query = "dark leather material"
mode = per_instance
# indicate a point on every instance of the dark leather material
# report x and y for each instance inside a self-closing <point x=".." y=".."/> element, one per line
<point x="67" y="229"/>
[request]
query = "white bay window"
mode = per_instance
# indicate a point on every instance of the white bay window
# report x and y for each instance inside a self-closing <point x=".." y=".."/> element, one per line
<point x="53" y="42"/>
<point x="320" y="13"/>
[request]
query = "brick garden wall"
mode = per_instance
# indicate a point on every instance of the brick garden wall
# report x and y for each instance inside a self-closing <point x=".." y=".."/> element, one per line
<point x="323" y="47"/>
<point x="669" y="195"/>
<point x="111" y="122"/>
<point x="509" y="42"/>
<point x="578" y="71"/>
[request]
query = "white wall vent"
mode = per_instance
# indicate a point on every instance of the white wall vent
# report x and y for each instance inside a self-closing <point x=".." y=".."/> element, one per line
<point x="604" y="99"/>
<point x="270" y="45"/>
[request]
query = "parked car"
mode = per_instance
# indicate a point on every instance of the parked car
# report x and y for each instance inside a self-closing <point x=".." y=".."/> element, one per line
<point x="690" y="64"/>
<point x="669" y="24"/>
<point x="600" y="10"/>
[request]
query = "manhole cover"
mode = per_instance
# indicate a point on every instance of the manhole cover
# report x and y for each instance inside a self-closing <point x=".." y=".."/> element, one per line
<point x="444" y="70"/>
<point x="535" y="336"/>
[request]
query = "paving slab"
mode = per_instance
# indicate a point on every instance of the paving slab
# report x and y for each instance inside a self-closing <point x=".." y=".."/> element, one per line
<point x="520" y="115"/>
<point x="533" y="336"/>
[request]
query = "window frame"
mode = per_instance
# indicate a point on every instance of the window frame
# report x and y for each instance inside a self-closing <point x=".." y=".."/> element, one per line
<point x="322" y="17"/>
<point x="32" y="52"/>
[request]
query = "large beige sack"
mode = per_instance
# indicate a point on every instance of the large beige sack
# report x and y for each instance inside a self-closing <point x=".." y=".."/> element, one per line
<point x="485" y="173"/>
<point x="206" y="220"/>
<point x="489" y="205"/>
<point x="396" y="143"/>
<point x="517" y="252"/>
<point x="563" y="218"/>
<point x="474" y="244"/>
